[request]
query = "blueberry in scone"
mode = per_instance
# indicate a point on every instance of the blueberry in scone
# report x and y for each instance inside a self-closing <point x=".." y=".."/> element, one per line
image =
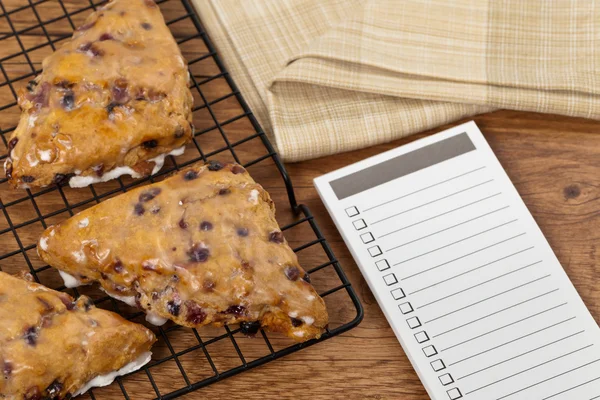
<point x="53" y="347"/>
<point x="112" y="100"/>
<point x="201" y="247"/>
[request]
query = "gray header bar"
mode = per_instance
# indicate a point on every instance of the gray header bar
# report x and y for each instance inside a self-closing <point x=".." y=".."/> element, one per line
<point x="402" y="165"/>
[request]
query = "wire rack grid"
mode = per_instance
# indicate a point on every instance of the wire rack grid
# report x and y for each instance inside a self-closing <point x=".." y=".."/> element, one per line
<point x="184" y="359"/>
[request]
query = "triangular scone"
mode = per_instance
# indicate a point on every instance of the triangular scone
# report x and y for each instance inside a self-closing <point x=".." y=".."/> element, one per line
<point x="112" y="100"/>
<point x="52" y="346"/>
<point x="200" y="247"/>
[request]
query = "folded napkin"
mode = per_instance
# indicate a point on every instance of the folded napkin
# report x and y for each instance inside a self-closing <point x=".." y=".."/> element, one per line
<point x="329" y="76"/>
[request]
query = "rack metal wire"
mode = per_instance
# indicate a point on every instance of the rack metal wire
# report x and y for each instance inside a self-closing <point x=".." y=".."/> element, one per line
<point x="184" y="359"/>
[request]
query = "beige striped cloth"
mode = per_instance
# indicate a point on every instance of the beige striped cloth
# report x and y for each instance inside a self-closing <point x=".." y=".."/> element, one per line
<point x="327" y="76"/>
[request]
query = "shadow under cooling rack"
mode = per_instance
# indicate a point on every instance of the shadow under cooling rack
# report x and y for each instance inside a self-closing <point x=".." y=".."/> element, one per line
<point x="183" y="359"/>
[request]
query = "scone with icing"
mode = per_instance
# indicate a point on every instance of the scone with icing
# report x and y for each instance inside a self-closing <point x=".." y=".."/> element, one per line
<point x="112" y="100"/>
<point x="201" y="247"/>
<point x="52" y="347"/>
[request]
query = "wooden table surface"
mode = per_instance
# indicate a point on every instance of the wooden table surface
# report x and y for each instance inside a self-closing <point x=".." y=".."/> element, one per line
<point x="554" y="162"/>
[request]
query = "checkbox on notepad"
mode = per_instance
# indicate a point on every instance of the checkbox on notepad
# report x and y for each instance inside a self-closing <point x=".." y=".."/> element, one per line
<point x="446" y="379"/>
<point x="438" y="365"/>
<point x="406" y="308"/>
<point x="367" y="237"/>
<point x="359" y="224"/>
<point x="390" y="279"/>
<point x="422" y="337"/>
<point x="382" y="265"/>
<point x="413" y="322"/>
<point x="375" y="251"/>
<point x="352" y="211"/>
<point x="430" y="351"/>
<point x="398" y="294"/>
<point x="454" y="393"/>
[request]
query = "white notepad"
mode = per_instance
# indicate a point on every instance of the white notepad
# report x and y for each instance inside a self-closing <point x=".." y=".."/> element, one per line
<point x="465" y="277"/>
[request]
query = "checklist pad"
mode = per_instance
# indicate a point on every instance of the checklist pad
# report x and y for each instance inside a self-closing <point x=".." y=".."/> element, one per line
<point x="463" y="274"/>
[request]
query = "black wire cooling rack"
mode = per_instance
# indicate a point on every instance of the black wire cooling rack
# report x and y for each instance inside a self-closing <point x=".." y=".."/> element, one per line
<point x="184" y="359"/>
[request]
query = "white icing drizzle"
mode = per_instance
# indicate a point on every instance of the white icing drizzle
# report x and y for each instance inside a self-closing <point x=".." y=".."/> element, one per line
<point x="35" y="287"/>
<point x="155" y="319"/>
<point x="79" y="256"/>
<point x="70" y="280"/>
<point x="31" y="120"/>
<point x="159" y="160"/>
<point x="308" y="320"/>
<point x="129" y="300"/>
<point x="65" y="142"/>
<point x="83" y="223"/>
<point x="83" y="181"/>
<point x="253" y="196"/>
<point x="44" y="243"/>
<point x="293" y="314"/>
<point x="31" y="160"/>
<point x="299" y="333"/>
<point x="45" y="155"/>
<point x="102" y="255"/>
<point x="310" y="297"/>
<point x="105" y="380"/>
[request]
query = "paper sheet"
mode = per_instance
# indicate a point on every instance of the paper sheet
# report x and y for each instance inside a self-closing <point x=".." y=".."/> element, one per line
<point x="465" y="277"/>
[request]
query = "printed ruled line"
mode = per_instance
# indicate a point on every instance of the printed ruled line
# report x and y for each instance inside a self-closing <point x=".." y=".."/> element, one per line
<point x="431" y="202"/>
<point x="486" y="299"/>
<point x="448" y="228"/>
<point x="549" y="379"/>
<point x="425" y="188"/>
<point x="574" y="387"/>
<point x="594" y="398"/>
<point x="529" y="369"/>
<point x="520" y="355"/>
<point x="453" y="243"/>
<point x="505" y="326"/>
<point x="476" y="286"/>
<point x="459" y="258"/>
<point x="439" y="215"/>
<point x="494" y="313"/>
<point x="474" y="269"/>
<point x="513" y="341"/>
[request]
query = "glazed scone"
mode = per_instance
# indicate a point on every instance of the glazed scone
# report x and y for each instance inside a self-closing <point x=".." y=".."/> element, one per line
<point x="52" y="347"/>
<point x="112" y="100"/>
<point x="201" y="247"/>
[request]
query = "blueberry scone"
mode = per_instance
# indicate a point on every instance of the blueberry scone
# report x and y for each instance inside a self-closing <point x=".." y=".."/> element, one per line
<point x="201" y="247"/>
<point x="52" y="347"/>
<point x="112" y="100"/>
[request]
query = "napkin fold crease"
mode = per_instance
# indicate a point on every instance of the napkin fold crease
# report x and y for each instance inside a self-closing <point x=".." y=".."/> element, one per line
<point x="324" y="77"/>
